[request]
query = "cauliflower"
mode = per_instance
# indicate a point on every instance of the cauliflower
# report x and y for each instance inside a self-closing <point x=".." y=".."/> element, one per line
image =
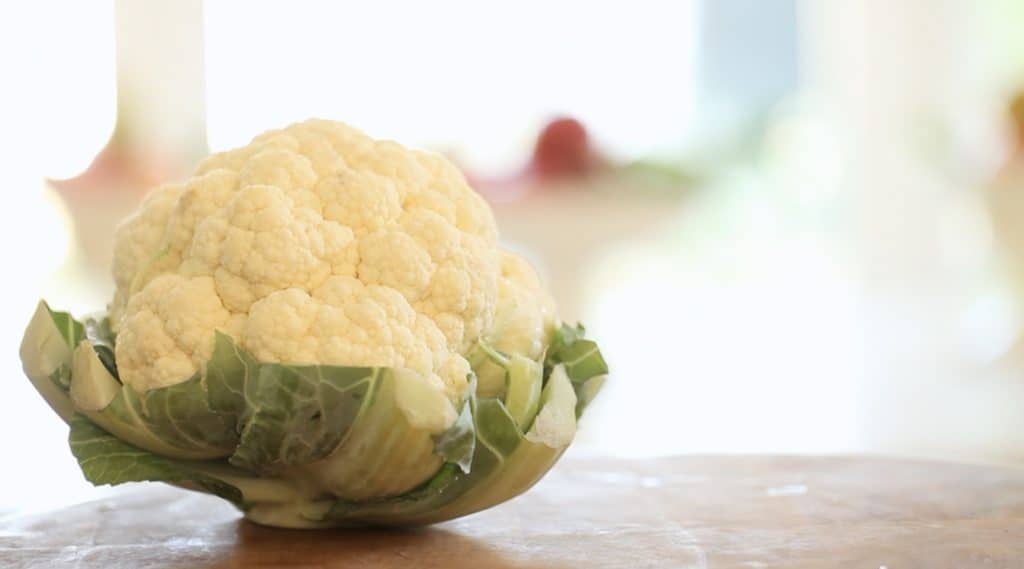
<point x="317" y="244"/>
<point x="322" y="329"/>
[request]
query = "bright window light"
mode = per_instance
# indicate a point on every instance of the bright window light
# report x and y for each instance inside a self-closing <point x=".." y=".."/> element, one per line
<point x="472" y="78"/>
<point x="60" y="95"/>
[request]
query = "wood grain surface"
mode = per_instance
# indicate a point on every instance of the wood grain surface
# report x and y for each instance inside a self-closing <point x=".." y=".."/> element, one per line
<point x="743" y="512"/>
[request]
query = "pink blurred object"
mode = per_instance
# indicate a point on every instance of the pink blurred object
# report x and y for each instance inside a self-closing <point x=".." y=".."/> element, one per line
<point x="109" y="190"/>
<point x="160" y="131"/>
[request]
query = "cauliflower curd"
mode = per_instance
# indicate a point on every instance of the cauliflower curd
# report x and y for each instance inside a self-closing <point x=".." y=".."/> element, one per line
<point x="317" y="244"/>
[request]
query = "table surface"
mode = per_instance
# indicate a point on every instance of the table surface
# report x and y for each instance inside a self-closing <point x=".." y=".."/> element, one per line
<point x="739" y="511"/>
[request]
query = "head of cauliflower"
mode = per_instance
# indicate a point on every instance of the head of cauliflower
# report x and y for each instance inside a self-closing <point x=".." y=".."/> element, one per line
<point x="317" y="244"/>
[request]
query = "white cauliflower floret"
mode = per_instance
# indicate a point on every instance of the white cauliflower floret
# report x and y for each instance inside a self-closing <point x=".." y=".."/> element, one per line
<point x="261" y="242"/>
<point x="525" y="316"/>
<point x="137" y="240"/>
<point x="377" y="196"/>
<point x="347" y="322"/>
<point x="165" y="334"/>
<point x="317" y="244"/>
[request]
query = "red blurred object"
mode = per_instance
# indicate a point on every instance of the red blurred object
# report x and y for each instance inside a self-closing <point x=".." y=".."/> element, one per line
<point x="563" y="150"/>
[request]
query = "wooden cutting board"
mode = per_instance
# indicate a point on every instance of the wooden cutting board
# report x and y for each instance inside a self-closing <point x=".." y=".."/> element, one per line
<point x="743" y="512"/>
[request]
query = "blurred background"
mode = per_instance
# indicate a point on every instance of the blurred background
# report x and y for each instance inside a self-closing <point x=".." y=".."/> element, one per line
<point x="795" y="226"/>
